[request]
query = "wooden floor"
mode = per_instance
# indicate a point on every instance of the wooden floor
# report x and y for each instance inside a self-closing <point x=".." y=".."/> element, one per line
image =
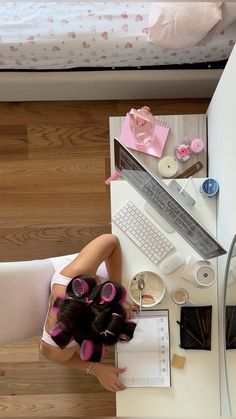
<point x="54" y="158"/>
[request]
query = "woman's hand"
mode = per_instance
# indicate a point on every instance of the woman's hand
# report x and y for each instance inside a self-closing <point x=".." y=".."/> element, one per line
<point x="129" y="308"/>
<point x="107" y="376"/>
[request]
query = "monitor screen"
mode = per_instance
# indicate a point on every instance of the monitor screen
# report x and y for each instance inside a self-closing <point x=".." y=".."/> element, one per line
<point x="156" y="193"/>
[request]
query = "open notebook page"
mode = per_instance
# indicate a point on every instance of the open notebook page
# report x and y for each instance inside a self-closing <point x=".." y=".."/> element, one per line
<point x="146" y="356"/>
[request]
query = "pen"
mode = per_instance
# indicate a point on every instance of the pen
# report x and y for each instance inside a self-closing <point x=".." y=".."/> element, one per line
<point x="195" y="338"/>
<point x="204" y="326"/>
<point x="200" y="325"/>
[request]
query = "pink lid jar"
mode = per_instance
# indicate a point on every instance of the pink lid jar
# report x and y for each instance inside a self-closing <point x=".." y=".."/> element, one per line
<point x="197" y="145"/>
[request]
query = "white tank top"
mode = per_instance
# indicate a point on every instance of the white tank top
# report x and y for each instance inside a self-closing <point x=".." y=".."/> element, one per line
<point x="61" y="280"/>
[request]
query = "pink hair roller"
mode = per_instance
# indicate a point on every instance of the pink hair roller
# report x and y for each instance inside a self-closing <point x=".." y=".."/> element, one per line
<point x="80" y="287"/>
<point x="91" y="351"/>
<point x="56" y="330"/>
<point x="86" y="350"/>
<point x="108" y="292"/>
<point x="57" y="309"/>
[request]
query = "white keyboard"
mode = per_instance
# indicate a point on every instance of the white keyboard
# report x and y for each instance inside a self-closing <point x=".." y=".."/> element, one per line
<point x="143" y="232"/>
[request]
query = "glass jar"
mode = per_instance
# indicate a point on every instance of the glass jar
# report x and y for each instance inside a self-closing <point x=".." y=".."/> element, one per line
<point x="142" y="124"/>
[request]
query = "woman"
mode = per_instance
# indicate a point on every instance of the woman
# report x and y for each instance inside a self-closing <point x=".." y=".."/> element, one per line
<point x="104" y="248"/>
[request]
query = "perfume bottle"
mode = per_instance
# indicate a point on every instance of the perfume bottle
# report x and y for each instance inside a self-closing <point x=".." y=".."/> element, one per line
<point x="142" y="124"/>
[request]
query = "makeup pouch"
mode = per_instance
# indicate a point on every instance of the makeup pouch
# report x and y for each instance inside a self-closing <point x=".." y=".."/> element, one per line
<point x="195" y="327"/>
<point x="230" y="324"/>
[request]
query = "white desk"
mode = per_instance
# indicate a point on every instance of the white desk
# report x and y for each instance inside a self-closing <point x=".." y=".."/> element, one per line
<point x="195" y="388"/>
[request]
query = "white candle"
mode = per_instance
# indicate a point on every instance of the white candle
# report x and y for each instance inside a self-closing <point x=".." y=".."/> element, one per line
<point x="168" y="166"/>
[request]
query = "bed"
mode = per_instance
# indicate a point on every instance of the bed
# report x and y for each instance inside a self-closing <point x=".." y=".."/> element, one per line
<point x="55" y="50"/>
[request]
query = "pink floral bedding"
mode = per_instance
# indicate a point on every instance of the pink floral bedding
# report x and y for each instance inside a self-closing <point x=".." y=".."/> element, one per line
<point x="70" y="34"/>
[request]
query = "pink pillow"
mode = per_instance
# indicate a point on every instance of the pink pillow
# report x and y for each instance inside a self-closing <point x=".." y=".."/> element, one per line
<point x="228" y="17"/>
<point x="180" y="24"/>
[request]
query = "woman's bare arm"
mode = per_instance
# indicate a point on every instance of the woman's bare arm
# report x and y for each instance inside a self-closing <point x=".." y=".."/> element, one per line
<point x="104" y="248"/>
<point x="69" y="357"/>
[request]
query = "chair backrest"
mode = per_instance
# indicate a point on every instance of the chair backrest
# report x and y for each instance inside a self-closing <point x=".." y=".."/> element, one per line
<point x="24" y="293"/>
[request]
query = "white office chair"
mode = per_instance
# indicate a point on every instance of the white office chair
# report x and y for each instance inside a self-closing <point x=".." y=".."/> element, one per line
<point x="24" y="292"/>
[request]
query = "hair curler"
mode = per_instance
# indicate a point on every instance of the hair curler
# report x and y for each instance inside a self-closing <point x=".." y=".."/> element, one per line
<point x="111" y="292"/>
<point x="79" y="287"/>
<point x="90" y="351"/>
<point x="127" y="330"/>
<point x="56" y="330"/>
<point x="108" y="292"/>
<point x="55" y="309"/>
<point x="82" y="285"/>
<point x="60" y="336"/>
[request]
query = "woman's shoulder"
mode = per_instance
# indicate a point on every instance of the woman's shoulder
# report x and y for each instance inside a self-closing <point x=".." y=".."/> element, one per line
<point x="55" y="353"/>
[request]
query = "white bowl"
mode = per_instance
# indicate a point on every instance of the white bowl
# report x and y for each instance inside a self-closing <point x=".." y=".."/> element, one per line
<point x="153" y="292"/>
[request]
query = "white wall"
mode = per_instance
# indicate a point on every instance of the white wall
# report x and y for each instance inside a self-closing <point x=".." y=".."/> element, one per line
<point x="222" y="165"/>
<point x="222" y="148"/>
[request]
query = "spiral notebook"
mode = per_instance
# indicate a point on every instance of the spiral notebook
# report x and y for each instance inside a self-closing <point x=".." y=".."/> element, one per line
<point x="147" y="355"/>
<point x="156" y="148"/>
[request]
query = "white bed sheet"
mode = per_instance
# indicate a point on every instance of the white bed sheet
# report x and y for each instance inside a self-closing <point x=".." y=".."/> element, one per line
<point x="64" y="34"/>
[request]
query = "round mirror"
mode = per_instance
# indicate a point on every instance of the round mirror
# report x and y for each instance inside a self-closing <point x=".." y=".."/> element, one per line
<point x="230" y="325"/>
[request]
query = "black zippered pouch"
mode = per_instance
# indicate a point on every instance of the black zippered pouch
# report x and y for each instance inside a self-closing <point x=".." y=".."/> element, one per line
<point x="230" y="326"/>
<point x="195" y="327"/>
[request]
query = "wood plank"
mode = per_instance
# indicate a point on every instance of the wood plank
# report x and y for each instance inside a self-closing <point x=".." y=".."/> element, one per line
<point x="91" y="111"/>
<point x="38" y="242"/>
<point x="13" y="142"/>
<point x="24" y="210"/>
<point x="54" y="112"/>
<point x="165" y="106"/>
<point x="45" y="378"/>
<point x="63" y="140"/>
<point x="25" y="351"/>
<point x="66" y="405"/>
<point x="57" y="175"/>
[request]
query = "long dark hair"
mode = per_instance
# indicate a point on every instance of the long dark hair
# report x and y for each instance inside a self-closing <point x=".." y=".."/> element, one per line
<point x="92" y="315"/>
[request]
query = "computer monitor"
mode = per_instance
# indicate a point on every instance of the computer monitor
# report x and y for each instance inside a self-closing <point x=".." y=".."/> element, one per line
<point x="156" y="193"/>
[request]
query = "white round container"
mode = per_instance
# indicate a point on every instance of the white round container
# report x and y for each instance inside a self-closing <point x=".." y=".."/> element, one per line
<point x="200" y="272"/>
<point x="205" y="276"/>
